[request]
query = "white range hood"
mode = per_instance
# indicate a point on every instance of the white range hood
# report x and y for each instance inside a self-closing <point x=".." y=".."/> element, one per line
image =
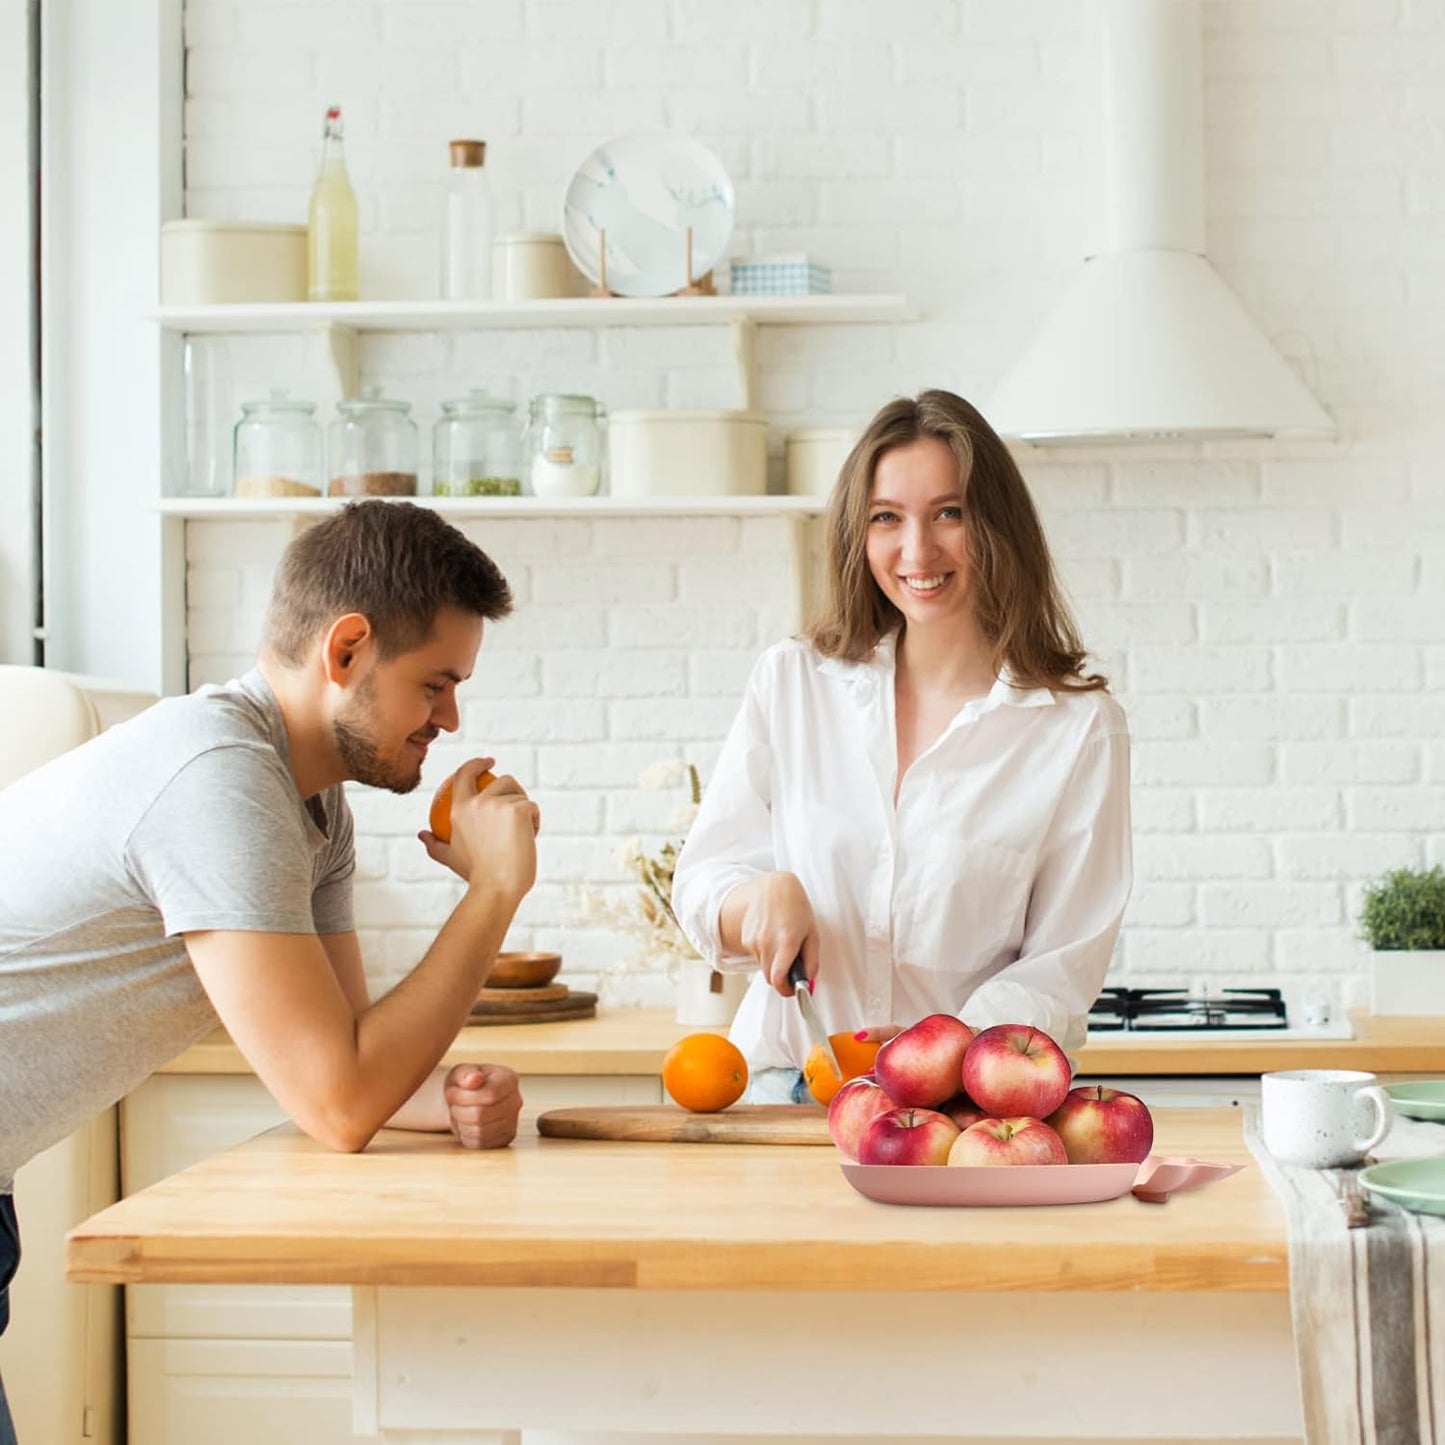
<point x="1148" y="343"/>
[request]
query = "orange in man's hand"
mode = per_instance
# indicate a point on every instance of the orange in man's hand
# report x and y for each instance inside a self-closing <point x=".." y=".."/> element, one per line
<point x="854" y="1055"/>
<point x="440" y="818"/>
<point x="704" y="1073"/>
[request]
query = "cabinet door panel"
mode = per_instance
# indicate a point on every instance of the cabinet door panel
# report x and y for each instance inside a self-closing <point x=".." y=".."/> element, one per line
<point x="225" y="1392"/>
<point x="238" y="1311"/>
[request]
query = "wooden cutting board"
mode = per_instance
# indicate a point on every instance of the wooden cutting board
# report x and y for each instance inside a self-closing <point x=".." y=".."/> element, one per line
<point x="668" y="1124"/>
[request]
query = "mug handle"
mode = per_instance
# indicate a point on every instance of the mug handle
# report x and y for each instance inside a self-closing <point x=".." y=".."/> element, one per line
<point x="1384" y="1108"/>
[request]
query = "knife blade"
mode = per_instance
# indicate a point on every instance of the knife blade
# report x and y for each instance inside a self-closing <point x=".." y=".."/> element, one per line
<point x="798" y="977"/>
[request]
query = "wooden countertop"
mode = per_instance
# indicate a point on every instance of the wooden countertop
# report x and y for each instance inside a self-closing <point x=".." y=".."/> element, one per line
<point x="416" y="1209"/>
<point x="633" y="1041"/>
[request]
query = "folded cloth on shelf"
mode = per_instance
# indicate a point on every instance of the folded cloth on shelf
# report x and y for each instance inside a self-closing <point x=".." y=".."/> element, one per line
<point x="1368" y="1304"/>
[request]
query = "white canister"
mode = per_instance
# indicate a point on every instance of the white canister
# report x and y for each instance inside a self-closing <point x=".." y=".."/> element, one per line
<point x="687" y="454"/>
<point x="813" y="459"/>
<point x="226" y="262"/>
<point x="528" y="265"/>
<point x="706" y="999"/>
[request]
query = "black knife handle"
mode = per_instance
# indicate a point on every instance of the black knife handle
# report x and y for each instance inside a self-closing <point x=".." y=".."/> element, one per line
<point x="797" y="974"/>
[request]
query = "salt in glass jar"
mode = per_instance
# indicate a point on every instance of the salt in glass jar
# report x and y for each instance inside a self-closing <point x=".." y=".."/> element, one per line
<point x="564" y="446"/>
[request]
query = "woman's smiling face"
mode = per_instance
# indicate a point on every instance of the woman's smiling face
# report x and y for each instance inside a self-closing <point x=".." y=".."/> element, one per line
<point x="917" y="537"/>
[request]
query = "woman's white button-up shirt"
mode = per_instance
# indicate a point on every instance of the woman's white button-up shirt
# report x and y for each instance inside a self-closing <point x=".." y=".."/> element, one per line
<point x="993" y="889"/>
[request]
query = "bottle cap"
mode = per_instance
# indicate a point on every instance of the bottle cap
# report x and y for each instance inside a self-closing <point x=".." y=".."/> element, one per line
<point x="468" y="152"/>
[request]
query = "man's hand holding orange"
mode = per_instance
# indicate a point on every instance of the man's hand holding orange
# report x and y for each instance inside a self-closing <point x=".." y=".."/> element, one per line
<point x="488" y="833"/>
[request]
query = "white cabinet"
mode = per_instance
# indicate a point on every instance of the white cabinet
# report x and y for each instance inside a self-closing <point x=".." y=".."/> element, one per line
<point x="240" y="1364"/>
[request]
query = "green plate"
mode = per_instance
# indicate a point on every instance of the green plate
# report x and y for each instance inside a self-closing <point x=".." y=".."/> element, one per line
<point x="1422" y="1099"/>
<point x="1417" y="1184"/>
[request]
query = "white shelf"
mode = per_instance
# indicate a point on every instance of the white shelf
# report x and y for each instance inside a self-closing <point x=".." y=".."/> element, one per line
<point x="284" y="316"/>
<point x="262" y="509"/>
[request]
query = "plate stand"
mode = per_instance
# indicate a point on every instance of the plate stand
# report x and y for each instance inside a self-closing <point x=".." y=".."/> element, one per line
<point x="703" y="286"/>
<point x="601" y="288"/>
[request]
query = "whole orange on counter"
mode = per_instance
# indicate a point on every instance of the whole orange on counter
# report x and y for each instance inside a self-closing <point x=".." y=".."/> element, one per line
<point x="440" y="818"/>
<point x="704" y="1073"/>
<point x="854" y="1055"/>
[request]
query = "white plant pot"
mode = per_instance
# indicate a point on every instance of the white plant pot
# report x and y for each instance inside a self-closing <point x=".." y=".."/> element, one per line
<point x="1406" y="982"/>
<point x="707" y="1002"/>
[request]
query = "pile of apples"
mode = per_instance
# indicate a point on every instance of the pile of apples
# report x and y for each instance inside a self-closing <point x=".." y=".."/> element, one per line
<point x="942" y="1093"/>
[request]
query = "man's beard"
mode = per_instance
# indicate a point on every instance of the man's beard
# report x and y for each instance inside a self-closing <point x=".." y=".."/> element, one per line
<point x="359" y="752"/>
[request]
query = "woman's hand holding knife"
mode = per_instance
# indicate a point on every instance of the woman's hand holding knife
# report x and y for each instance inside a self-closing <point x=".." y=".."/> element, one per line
<point x="771" y="919"/>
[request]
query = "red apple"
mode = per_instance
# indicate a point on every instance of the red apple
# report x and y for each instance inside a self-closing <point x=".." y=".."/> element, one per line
<point x="1008" y="1141"/>
<point x="962" y="1110"/>
<point x="853" y="1108"/>
<point x="923" y="1065"/>
<point x="1015" y="1069"/>
<point x="1100" y="1125"/>
<point x="907" y="1136"/>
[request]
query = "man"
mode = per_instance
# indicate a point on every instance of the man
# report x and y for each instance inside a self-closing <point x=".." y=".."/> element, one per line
<point x="195" y="864"/>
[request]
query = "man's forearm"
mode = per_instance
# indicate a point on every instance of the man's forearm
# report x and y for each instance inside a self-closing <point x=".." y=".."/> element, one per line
<point x="415" y="1024"/>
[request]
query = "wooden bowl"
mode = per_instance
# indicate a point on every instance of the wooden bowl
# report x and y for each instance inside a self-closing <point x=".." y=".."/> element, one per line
<point x="524" y="970"/>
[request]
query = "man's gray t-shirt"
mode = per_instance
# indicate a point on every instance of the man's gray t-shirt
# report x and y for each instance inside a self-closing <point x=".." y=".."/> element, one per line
<point x="187" y="817"/>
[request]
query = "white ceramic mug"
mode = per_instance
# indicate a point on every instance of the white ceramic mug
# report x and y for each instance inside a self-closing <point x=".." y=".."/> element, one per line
<point x="1323" y="1118"/>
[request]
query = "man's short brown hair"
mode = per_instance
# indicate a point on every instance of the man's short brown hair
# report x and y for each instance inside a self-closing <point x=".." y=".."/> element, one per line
<point x="395" y="563"/>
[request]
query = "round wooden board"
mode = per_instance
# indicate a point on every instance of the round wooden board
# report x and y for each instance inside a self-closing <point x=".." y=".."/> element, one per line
<point x="580" y="1006"/>
<point x="522" y="996"/>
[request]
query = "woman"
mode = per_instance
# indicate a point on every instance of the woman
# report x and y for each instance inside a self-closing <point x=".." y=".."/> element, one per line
<point x="928" y="797"/>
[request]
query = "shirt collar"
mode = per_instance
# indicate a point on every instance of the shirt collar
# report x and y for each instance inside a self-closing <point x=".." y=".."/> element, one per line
<point x="879" y="668"/>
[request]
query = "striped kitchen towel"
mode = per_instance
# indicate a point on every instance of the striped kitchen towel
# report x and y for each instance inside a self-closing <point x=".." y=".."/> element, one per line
<point x="1368" y="1304"/>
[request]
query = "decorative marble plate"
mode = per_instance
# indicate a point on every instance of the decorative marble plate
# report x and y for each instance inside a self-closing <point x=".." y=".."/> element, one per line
<point x="645" y="190"/>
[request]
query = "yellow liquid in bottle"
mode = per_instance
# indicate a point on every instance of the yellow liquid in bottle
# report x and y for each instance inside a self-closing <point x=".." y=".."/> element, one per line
<point x="332" y="243"/>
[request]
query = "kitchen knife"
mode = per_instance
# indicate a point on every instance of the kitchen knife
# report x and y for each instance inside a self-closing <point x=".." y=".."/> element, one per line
<point x="798" y="977"/>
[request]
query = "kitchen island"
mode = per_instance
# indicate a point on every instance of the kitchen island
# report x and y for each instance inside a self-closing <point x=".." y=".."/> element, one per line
<point x="639" y="1288"/>
<point x="275" y="1362"/>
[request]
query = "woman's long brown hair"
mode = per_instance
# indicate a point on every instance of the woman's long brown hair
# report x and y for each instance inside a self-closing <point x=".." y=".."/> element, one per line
<point x="1017" y="599"/>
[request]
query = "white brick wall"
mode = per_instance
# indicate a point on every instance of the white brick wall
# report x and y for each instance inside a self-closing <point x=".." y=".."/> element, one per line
<point x="1271" y="614"/>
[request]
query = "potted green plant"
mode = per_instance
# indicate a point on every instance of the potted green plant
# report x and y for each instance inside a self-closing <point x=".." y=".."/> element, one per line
<point x="1403" y="921"/>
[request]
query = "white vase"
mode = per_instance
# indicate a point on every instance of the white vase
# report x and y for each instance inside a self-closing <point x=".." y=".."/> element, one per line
<point x="1405" y="981"/>
<point x="706" y="998"/>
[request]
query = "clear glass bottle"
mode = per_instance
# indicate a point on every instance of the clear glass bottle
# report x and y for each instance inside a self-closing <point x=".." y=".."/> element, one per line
<point x="564" y="446"/>
<point x="332" y="237"/>
<point x="477" y="449"/>
<point x="372" y="448"/>
<point x="203" y="423"/>
<point x="466" y="259"/>
<point x="277" y="449"/>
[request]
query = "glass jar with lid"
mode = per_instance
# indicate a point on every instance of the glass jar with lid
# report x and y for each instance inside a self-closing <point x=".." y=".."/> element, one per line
<point x="372" y="447"/>
<point x="276" y="449"/>
<point x="477" y="448"/>
<point x="564" y="446"/>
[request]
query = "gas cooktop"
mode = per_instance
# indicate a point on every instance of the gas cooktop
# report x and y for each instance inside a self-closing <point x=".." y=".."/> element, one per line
<point x="1222" y="1013"/>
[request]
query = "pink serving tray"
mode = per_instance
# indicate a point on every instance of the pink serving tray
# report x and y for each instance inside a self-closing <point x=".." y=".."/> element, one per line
<point x="1156" y="1178"/>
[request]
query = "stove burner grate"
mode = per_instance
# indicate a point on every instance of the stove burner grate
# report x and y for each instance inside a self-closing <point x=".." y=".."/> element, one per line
<point x="1182" y="1010"/>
